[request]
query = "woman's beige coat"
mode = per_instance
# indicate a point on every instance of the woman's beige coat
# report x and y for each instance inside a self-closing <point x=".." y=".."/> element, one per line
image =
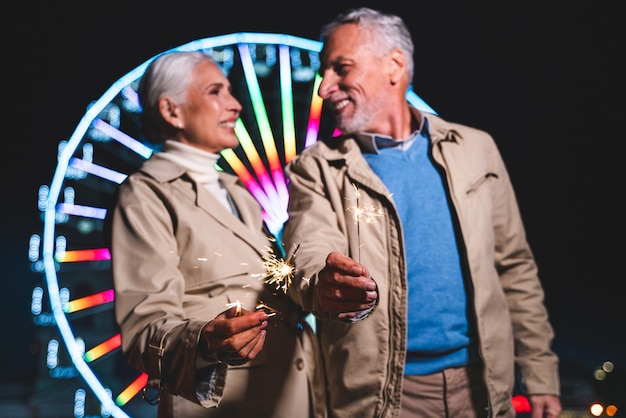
<point x="365" y="360"/>
<point x="179" y="257"/>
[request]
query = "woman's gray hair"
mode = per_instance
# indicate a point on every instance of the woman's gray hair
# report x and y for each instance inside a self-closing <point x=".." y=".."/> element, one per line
<point x="390" y="31"/>
<point x="169" y="74"/>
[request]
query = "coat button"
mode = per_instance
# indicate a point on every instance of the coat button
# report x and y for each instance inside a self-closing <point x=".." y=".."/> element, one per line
<point x="300" y="363"/>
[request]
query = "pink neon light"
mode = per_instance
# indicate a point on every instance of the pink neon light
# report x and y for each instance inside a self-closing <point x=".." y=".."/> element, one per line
<point x="71" y="256"/>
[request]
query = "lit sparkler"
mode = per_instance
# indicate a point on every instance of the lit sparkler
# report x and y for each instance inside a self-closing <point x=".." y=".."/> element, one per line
<point x="363" y="213"/>
<point x="236" y="303"/>
<point x="278" y="271"/>
<point x="268" y="309"/>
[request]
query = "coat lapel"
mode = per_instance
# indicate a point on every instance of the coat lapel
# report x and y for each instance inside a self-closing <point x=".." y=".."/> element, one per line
<point x="249" y="222"/>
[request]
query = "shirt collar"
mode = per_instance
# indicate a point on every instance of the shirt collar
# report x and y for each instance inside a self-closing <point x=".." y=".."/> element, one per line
<point x="372" y="143"/>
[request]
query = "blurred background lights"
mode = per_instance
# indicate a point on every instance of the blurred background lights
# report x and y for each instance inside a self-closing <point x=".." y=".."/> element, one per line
<point x="521" y="404"/>
<point x="79" y="403"/>
<point x="85" y="226"/>
<point x="42" y="200"/>
<point x="611" y="410"/>
<point x="601" y="372"/>
<point x="33" y="247"/>
<point x="52" y="354"/>
<point x="596" y="409"/>
<point x="608" y="366"/>
<point x="36" y="301"/>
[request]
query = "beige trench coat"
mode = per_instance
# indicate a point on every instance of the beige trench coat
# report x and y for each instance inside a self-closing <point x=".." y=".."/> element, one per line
<point x="178" y="258"/>
<point x="365" y="360"/>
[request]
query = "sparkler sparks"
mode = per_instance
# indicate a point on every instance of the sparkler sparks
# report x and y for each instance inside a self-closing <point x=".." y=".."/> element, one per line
<point x="236" y="303"/>
<point x="278" y="271"/>
<point x="363" y="213"/>
<point x="269" y="310"/>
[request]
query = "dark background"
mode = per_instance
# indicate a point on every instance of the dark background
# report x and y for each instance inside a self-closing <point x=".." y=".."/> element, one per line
<point x="540" y="76"/>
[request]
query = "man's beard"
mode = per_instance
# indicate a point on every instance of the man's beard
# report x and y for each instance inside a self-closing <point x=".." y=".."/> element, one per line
<point x="358" y="120"/>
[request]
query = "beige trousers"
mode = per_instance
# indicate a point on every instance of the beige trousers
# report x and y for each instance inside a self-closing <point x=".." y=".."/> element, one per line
<point x="452" y="393"/>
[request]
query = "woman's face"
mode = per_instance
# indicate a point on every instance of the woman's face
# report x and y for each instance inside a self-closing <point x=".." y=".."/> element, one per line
<point x="207" y="118"/>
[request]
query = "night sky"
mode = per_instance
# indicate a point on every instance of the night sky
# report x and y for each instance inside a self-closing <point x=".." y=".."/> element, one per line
<point x="540" y="76"/>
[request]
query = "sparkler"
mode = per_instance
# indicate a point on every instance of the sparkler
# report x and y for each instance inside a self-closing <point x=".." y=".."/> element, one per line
<point x="269" y="310"/>
<point x="367" y="214"/>
<point x="278" y="271"/>
<point x="261" y="305"/>
<point x="236" y="303"/>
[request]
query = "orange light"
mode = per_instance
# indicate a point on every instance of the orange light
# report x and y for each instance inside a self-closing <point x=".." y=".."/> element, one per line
<point x="131" y="390"/>
<point x="611" y="410"/>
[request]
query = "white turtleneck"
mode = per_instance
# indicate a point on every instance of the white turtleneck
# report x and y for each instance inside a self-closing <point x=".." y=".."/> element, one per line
<point x="200" y="166"/>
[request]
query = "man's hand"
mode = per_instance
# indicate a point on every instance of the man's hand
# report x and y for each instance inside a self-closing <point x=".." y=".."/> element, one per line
<point x="235" y="336"/>
<point x="545" y="406"/>
<point x="344" y="287"/>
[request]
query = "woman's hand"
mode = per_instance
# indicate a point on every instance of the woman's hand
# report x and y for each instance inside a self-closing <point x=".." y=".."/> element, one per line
<point x="235" y="336"/>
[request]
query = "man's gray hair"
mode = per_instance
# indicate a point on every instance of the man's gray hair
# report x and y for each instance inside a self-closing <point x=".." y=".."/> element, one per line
<point x="389" y="30"/>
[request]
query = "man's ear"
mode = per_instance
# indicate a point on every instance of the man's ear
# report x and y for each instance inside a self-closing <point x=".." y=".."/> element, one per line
<point x="397" y="66"/>
<point x="170" y="112"/>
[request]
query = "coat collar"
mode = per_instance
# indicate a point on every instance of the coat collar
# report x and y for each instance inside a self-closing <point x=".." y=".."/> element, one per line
<point x="437" y="128"/>
<point x="347" y="149"/>
<point x="250" y="219"/>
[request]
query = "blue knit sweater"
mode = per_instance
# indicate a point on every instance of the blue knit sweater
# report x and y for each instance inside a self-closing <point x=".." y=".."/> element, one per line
<point x="438" y="329"/>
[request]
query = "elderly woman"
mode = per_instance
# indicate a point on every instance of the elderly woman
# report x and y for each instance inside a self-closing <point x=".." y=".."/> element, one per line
<point x="188" y="243"/>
